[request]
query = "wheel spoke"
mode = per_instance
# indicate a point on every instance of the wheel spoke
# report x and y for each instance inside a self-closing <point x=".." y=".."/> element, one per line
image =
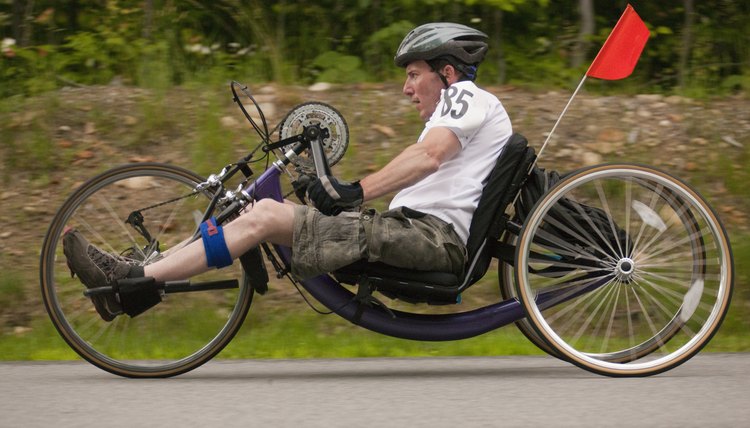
<point x="564" y="248"/>
<point x="610" y="217"/>
<point x="572" y="290"/>
<point x="652" y="203"/>
<point x="663" y="248"/>
<point x="557" y="224"/>
<point x="628" y="202"/>
<point x="585" y="324"/>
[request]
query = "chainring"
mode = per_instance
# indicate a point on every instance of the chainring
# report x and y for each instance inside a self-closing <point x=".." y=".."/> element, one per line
<point x="316" y="113"/>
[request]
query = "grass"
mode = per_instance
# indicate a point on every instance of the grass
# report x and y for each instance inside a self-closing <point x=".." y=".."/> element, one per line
<point x="300" y="333"/>
<point x="737" y="323"/>
<point x="308" y="335"/>
<point x="11" y="289"/>
<point x="26" y="133"/>
<point x="284" y="334"/>
<point x="213" y="145"/>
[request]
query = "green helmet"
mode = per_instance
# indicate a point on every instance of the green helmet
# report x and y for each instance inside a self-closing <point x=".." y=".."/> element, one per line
<point x="442" y="39"/>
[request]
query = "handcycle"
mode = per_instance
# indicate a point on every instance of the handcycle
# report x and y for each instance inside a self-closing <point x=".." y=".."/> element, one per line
<point x="620" y="269"/>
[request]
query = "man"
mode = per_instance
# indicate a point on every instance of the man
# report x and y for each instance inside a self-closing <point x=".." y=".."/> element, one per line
<point x="439" y="179"/>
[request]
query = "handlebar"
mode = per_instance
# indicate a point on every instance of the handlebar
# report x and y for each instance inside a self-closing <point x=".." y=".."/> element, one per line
<point x="311" y="138"/>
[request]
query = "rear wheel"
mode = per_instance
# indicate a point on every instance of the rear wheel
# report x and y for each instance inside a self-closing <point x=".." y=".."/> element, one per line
<point x="183" y="331"/>
<point x="624" y="270"/>
<point x="507" y="281"/>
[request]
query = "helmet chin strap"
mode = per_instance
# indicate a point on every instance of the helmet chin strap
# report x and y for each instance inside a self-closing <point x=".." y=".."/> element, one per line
<point x="442" y="77"/>
<point x="465" y="72"/>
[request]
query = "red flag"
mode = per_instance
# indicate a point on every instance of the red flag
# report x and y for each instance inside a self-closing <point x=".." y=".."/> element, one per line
<point x="620" y="53"/>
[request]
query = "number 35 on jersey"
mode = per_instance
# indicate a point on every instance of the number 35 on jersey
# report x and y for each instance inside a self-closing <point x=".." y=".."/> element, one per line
<point x="456" y="102"/>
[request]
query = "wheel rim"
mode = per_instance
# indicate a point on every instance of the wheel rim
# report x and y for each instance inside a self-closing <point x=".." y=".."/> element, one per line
<point x="183" y="331"/>
<point x="506" y="277"/>
<point x="624" y="306"/>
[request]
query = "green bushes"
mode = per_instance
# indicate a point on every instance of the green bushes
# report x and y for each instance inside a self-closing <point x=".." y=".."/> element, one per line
<point x="533" y="42"/>
<point x="334" y="67"/>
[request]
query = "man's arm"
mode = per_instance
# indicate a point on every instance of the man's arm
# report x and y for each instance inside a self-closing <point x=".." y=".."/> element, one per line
<point x="413" y="164"/>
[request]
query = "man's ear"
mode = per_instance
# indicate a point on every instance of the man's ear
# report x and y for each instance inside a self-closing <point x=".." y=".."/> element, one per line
<point x="451" y="74"/>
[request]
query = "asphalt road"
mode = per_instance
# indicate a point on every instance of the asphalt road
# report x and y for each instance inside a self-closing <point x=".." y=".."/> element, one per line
<point x="711" y="390"/>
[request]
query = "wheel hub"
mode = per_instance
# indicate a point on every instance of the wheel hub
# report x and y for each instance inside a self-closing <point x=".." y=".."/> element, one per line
<point x="625" y="269"/>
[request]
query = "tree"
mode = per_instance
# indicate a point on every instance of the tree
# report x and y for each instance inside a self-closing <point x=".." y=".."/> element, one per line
<point x="703" y="44"/>
<point x="21" y="21"/>
<point x="586" y="30"/>
<point x="687" y="42"/>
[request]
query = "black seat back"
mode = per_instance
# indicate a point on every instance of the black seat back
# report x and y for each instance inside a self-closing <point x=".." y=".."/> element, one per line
<point x="503" y="183"/>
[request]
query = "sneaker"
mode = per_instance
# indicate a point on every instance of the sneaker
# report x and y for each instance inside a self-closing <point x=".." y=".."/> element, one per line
<point x="95" y="268"/>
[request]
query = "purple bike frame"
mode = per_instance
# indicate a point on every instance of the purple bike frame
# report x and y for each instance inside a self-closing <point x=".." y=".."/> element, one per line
<point x="405" y="325"/>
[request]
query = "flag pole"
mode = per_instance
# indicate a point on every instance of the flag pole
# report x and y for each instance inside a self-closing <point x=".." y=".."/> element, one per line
<point x="549" y="136"/>
<point x="559" y="119"/>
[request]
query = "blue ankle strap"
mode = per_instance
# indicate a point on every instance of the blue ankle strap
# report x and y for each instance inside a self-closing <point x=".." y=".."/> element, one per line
<point x="217" y="253"/>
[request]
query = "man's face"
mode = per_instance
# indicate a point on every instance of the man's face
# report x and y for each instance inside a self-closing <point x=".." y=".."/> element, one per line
<point x="423" y="88"/>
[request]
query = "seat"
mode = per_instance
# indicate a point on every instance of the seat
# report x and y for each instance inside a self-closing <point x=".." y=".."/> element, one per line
<point x="440" y="288"/>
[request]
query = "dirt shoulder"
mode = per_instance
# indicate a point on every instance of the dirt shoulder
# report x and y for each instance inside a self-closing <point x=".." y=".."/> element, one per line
<point x="87" y="130"/>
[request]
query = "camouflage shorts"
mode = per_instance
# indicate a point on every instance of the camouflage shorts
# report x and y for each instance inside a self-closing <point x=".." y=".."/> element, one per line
<point x="400" y="237"/>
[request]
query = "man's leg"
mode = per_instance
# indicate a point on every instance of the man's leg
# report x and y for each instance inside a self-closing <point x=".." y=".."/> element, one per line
<point x="266" y="220"/>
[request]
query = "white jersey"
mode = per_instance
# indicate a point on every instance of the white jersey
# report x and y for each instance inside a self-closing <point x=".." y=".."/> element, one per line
<point x="483" y="128"/>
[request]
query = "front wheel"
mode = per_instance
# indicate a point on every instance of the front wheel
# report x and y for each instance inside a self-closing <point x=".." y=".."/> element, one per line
<point x="624" y="270"/>
<point x="183" y="331"/>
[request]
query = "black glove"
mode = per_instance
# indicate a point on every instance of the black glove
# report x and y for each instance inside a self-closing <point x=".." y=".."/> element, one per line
<point x="331" y="196"/>
<point x="300" y="186"/>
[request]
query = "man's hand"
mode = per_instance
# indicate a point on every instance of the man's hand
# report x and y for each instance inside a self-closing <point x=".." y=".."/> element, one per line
<point x="331" y="196"/>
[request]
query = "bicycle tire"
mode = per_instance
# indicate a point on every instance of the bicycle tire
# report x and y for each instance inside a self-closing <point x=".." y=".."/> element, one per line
<point x="506" y="279"/>
<point x="179" y="334"/>
<point x="635" y="294"/>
